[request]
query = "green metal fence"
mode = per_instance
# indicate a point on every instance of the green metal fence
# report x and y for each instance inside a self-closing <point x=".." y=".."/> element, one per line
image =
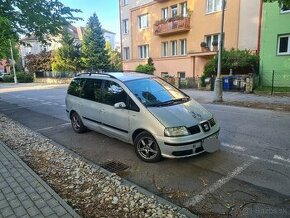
<point x="275" y="81"/>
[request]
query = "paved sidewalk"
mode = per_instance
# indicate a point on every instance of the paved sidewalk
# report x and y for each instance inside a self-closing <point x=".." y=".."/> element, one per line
<point x="24" y="194"/>
<point x="207" y="97"/>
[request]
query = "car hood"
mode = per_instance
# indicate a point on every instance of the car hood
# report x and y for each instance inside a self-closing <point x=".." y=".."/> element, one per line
<point x="187" y="114"/>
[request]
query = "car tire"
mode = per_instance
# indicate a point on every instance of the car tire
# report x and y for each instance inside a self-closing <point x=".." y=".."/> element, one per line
<point x="147" y="148"/>
<point x="77" y="123"/>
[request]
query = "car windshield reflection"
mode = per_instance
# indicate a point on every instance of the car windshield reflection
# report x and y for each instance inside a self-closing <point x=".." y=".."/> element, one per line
<point x="154" y="92"/>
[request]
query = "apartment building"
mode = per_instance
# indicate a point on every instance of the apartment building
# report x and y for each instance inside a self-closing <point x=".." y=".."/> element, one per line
<point x="171" y="32"/>
<point x="275" y="46"/>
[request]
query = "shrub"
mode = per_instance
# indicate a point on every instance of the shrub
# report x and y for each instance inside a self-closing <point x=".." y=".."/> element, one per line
<point x="22" y="77"/>
<point x="240" y="61"/>
<point x="146" y="68"/>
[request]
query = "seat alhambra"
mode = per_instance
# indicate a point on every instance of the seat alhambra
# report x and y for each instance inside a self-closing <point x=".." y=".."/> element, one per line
<point x="144" y="110"/>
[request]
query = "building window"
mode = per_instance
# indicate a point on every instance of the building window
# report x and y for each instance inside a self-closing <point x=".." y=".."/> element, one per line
<point x="213" y="6"/>
<point x="164" y="13"/>
<point x="285" y="9"/>
<point x="143" y="21"/>
<point x="126" y="53"/>
<point x="125" y="26"/>
<point x="174" y="11"/>
<point x="210" y="39"/>
<point x="174" y="48"/>
<point x="125" y="2"/>
<point x="284" y="45"/>
<point x="181" y="75"/>
<point x="143" y="51"/>
<point x="164" y="48"/>
<point x="164" y="74"/>
<point x="183" y="9"/>
<point x="183" y="47"/>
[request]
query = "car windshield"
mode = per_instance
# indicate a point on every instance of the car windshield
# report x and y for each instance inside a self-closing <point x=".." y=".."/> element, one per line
<point x="154" y="92"/>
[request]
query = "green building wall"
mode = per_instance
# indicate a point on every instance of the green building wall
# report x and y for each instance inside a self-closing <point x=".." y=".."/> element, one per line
<point x="274" y="24"/>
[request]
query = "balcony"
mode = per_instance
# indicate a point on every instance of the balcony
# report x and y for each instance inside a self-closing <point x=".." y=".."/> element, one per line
<point x="172" y="26"/>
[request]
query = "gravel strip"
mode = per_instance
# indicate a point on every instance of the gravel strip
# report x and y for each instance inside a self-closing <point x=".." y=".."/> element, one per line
<point x="87" y="188"/>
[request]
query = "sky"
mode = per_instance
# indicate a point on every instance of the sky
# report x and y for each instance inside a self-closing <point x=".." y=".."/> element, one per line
<point x="106" y="10"/>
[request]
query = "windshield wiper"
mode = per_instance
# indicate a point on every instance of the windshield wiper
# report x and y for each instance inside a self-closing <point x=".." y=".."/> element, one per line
<point x="170" y="102"/>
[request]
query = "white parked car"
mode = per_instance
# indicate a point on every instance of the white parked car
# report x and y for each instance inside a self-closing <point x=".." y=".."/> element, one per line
<point x="144" y="110"/>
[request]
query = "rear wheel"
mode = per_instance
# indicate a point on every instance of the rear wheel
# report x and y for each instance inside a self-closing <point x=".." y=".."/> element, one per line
<point x="77" y="123"/>
<point x="146" y="148"/>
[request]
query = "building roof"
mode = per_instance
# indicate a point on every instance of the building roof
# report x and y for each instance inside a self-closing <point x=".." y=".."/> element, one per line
<point x="107" y="31"/>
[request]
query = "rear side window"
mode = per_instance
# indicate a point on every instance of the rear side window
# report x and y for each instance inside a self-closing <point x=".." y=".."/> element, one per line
<point x="92" y="90"/>
<point x="75" y="87"/>
<point x="113" y="93"/>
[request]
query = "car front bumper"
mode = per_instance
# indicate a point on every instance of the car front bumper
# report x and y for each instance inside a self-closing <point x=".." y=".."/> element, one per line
<point x="186" y="146"/>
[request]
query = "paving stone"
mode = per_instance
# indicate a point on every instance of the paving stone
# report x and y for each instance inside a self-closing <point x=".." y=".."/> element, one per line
<point x="2" y="196"/>
<point x="53" y="216"/>
<point x="33" y="211"/>
<point x="10" y="196"/>
<point x="14" y="185"/>
<point x="40" y="203"/>
<point x="18" y="190"/>
<point x="60" y="211"/>
<point x="20" y="211"/>
<point x="23" y="196"/>
<point x="6" y="190"/>
<point x="27" y="203"/>
<point x="52" y="202"/>
<point x="7" y="211"/>
<point x="46" y="211"/>
<point x="3" y="185"/>
<point x="14" y="203"/>
<point x="3" y="204"/>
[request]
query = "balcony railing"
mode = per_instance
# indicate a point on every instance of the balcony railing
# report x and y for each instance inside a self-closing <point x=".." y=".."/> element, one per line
<point x="172" y="26"/>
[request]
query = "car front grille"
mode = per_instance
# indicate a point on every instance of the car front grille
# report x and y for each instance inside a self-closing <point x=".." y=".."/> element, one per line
<point x="212" y="122"/>
<point x="194" y="129"/>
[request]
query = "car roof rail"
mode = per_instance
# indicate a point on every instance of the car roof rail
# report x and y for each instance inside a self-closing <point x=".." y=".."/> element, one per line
<point x="103" y="74"/>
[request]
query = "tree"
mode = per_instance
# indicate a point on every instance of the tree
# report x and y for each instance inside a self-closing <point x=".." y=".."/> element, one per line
<point x="114" y="57"/>
<point x="36" y="16"/>
<point x="39" y="62"/>
<point x="67" y="57"/>
<point x="7" y="34"/>
<point x="94" y="55"/>
<point x="42" y="18"/>
<point x="285" y="3"/>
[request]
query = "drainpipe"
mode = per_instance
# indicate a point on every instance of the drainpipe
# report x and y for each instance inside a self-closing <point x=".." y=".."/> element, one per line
<point x="260" y="26"/>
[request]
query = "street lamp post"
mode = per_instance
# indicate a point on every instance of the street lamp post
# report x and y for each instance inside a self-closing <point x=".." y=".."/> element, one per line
<point x="13" y="63"/>
<point x="218" y="91"/>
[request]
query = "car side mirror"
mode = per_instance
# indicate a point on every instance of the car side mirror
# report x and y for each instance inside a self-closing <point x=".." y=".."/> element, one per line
<point x="120" y="105"/>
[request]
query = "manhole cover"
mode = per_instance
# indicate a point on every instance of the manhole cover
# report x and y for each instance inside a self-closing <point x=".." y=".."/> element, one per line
<point x="114" y="166"/>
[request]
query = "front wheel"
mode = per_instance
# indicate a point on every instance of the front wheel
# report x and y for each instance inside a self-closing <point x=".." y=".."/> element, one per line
<point x="146" y="148"/>
<point x="77" y="123"/>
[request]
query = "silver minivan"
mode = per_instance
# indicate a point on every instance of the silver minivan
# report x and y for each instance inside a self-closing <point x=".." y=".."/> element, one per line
<point x="144" y="110"/>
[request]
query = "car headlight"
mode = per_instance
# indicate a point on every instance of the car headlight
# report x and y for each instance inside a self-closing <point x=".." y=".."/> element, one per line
<point x="176" y="131"/>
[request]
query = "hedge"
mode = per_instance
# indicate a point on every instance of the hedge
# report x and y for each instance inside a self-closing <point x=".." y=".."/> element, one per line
<point x="22" y="77"/>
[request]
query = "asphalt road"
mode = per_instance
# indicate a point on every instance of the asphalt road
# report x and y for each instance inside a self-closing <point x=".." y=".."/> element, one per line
<point x="248" y="177"/>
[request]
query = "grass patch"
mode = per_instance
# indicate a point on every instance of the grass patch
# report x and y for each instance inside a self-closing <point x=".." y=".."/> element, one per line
<point x="269" y="89"/>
